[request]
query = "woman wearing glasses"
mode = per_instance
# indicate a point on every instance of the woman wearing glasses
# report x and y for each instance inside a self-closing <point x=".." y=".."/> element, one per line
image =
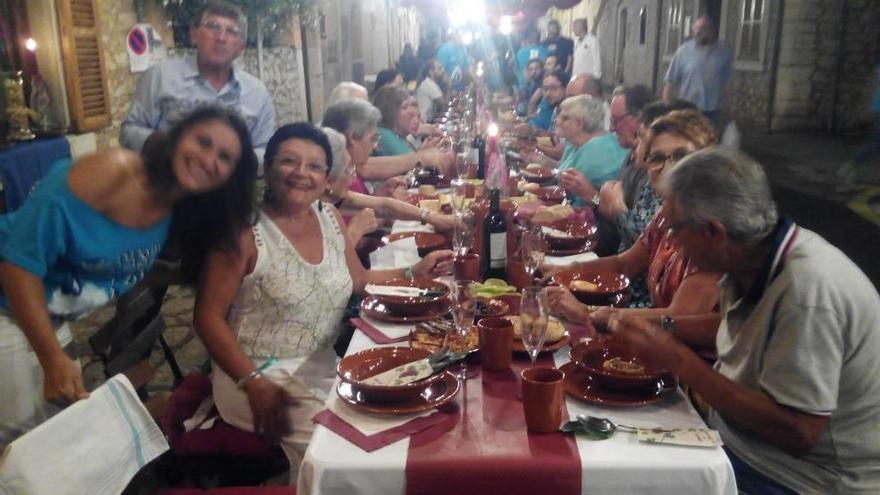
<point x="269" y="310"/>
<point x="677" y="286"/>
<point x="357" y="122"/>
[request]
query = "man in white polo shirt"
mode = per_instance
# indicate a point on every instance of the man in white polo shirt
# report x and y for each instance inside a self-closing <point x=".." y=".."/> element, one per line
<point x="587" y="54"/>
<point x="795" y="392"/>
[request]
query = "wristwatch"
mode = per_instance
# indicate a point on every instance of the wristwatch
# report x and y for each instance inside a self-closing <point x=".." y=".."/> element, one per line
<point x="668" y="323"/>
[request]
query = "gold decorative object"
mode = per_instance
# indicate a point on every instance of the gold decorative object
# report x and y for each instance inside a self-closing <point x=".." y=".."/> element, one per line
<point x="18" y="112"/>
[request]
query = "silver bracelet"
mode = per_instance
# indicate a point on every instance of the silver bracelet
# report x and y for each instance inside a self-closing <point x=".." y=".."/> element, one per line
<point x="248" y="378"/>
<point x="408" y="273"/>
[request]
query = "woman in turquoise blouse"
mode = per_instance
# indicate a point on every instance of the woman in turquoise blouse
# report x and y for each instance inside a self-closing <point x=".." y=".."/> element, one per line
<point x="592" y="156"/>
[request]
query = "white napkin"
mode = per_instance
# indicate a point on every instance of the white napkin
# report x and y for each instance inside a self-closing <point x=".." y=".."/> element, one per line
<point x="94" y="446"/>
<point x="398" y="254"/>
<point x="369" y="424"/>
<point x="410" y="226"/>
<point x="569" y="260"/>
<point x="393" y="290"/>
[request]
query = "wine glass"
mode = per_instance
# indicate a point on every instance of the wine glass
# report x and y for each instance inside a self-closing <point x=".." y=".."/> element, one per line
<point x="533" y="316"/>
<point x="463" y="315"/>
<point x="458" y="190"/>
<point x="463" y="232"/>
<point x="531" y="249"/>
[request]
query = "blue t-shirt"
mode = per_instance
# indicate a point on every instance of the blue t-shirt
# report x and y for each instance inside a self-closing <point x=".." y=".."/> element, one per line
<point x="599" y="159"/>
<point x="543" y="118"/>
<point x="390" y="144"/>
<point x="455" y="60"/>
<point x="700" y="73"/>
<point x="83" y="258"/>
<point x="526" y="53"/>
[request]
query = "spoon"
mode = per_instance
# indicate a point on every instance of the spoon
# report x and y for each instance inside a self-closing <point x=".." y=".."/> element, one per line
<point x="606" y="426"/>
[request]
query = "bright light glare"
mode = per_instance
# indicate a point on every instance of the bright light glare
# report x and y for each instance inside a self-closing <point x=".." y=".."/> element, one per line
<point x="467" y="37"/>
<point x="480" y="69"/>
<point x="506" y="25"/>
<point x="462" y="12"/>
<point x="30" y="44"/>
<point x="492" y="130"/>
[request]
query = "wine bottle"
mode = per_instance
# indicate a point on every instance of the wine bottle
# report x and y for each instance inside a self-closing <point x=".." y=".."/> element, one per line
<point x="494" y="239"/>
<point x="478" y="148"/>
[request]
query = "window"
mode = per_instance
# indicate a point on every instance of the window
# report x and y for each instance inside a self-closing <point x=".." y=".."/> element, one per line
<point x="750" y="36"/>
<point x="643" y="26"/>
<point x="620" y="49"/>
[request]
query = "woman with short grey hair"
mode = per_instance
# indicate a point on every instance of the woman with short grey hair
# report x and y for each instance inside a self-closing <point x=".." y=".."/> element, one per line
<point x="345" y="90"/>
<point x="734" y="190"/>
<point x="592" y="156"/>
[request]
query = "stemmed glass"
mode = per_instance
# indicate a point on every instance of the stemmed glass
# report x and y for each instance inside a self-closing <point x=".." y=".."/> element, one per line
<point x="463" y="315"/>
<point x="533" y="314"/>
<point x="458" y="190"/>
<point x="463" y="232"/>
<point x="531" y="248"/>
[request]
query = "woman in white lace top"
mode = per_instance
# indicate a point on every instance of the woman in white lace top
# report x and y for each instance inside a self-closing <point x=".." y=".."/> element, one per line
<point x="269" y="311"/>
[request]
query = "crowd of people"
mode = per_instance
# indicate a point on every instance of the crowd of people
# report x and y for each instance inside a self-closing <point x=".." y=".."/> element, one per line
<point x="792" y="326"/>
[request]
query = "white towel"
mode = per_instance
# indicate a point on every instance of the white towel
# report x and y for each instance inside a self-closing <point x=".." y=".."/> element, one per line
<point x="95" y="446"/>
<point x="398" y="254"/>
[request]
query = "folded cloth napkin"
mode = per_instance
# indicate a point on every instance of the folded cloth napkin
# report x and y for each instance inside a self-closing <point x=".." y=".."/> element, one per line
<point x="569" y="260"/>
<point x="372" y="432"/>
<point x="94" y="446"/>
<point x="395" y="290"/>
<point x="410" y="226"/>
<point x="398" y="254"/>
<point x="380" y="336"/>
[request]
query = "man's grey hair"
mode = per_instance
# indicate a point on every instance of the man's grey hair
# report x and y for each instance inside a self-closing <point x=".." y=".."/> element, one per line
<point x="226" y="9"/>
<point x="723" y="185"/>
<point x="586" y="108"/>
<point x="347" y="89"/>
<point x="337" y="146"/>
<point x="352" y="116"/>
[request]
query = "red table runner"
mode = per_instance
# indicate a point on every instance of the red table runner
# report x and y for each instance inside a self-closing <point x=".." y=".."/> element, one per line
<point x="485" y="448"/>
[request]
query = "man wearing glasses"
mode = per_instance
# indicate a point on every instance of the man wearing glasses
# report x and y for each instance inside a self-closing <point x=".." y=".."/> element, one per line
<point x="168" y="91"/>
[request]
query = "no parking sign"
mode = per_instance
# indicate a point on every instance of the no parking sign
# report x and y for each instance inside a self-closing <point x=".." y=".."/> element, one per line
<point x="144" y="46"/>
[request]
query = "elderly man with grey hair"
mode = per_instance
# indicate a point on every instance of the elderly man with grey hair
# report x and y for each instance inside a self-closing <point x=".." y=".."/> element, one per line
<point x="795" y="391"/>
<point x="592" y="156"/>
<point x="168" y="91"/>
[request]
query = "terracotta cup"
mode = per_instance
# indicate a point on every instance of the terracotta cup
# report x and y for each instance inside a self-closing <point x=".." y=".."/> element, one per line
<point x="466" y="267"/>
<point x="542" y="399"/>
<point x="496" y="343"/>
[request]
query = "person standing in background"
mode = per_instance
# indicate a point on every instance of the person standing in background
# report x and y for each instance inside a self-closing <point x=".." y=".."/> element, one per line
<point x="587" y="58"/>
<point x="166" y="92"/>
<point x="700" y="71"/>
<point x="559" y="46"/>
<point x="408" y="65"/>
<point x="529" y="50"/>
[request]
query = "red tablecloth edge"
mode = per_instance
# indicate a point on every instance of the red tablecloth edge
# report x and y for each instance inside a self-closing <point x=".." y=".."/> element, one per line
<point x="375" y="334"/>
<point x="381" y="439"/>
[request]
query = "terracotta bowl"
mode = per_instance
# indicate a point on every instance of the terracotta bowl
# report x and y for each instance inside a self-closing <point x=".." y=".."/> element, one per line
<point x="413" y="306"/>
<point x="593" y="354"/>
<point x="608" y="285"/>
<point x="539" y="175"/>
<point x="489" y="307"/>
<point x="426" y="242"/>
<point x="550" y="194"/>
<point x="579" y="233"/>
<point x="368" y="363"/>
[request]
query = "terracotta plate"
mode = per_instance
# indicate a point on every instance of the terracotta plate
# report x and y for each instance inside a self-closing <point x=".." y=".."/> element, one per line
<point x="371" y="307"/>
<point x="580" y="385"/>
<point x="439" y="393"/>
<point x="555" y="346"/>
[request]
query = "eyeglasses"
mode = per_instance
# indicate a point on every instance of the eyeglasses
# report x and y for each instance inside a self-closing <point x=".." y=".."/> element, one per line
<point x="616" y="120"/>
<point x="551" y="88"/>
<point x="656" y="159"/>
<point x="293" y="161"/>
<point x="217" y="28"/>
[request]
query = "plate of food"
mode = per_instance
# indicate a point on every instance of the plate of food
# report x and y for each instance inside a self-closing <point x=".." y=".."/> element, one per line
<point x="436" y="334"/>
<point x="557" y="335"/>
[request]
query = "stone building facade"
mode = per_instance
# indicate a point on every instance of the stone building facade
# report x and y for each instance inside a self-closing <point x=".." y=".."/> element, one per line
<point x="799" y="64"/>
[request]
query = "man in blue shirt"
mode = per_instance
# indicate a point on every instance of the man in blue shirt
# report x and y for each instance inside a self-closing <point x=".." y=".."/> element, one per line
<point x="700" y="71"/>
<point x="454" y="58"/>
<point x="530" y="50"/>
<point x="168" y="91"/>
<point x="558" y="45"/>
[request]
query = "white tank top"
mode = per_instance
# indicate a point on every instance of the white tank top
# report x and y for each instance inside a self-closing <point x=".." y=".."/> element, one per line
<point x="288" y="307"/>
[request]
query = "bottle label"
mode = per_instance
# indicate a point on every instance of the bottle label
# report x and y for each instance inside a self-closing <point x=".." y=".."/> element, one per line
<point x="498" y="249"/>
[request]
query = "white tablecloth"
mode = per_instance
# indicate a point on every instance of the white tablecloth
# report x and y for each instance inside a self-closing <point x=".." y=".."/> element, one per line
<point x="618" y="465"/>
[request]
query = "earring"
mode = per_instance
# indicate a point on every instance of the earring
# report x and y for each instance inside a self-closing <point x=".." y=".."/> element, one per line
<point x="320" y="205"/>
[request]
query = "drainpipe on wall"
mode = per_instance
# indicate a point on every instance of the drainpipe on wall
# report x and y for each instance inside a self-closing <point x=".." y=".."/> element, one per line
<point x="774" y="67"/>
<point x="260" y="47"/>
<point x="656" y="70"/>
<point x="305" y="54"/>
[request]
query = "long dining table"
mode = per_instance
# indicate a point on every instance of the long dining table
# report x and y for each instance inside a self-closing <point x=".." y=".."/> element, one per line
<point x="482" y="446"/>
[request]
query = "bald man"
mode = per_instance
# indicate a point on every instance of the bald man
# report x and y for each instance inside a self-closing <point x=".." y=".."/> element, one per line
<point x="581" y="84"/>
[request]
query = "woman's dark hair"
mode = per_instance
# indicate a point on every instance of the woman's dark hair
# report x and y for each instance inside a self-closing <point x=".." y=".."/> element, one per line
<point x="389" y="100"/>
<point x="559" y="74"/>
<point x="384" y="77"/>
<point x="298" y="130"/>
<point x="209" y="220"/>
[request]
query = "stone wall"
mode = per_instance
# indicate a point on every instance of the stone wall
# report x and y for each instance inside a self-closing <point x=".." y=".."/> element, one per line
<point x="638" y="58"/>
<point x="860" y="53"/>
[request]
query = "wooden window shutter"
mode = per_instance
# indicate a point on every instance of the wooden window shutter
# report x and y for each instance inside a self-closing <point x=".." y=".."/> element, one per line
<point x="87" y="94"/>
